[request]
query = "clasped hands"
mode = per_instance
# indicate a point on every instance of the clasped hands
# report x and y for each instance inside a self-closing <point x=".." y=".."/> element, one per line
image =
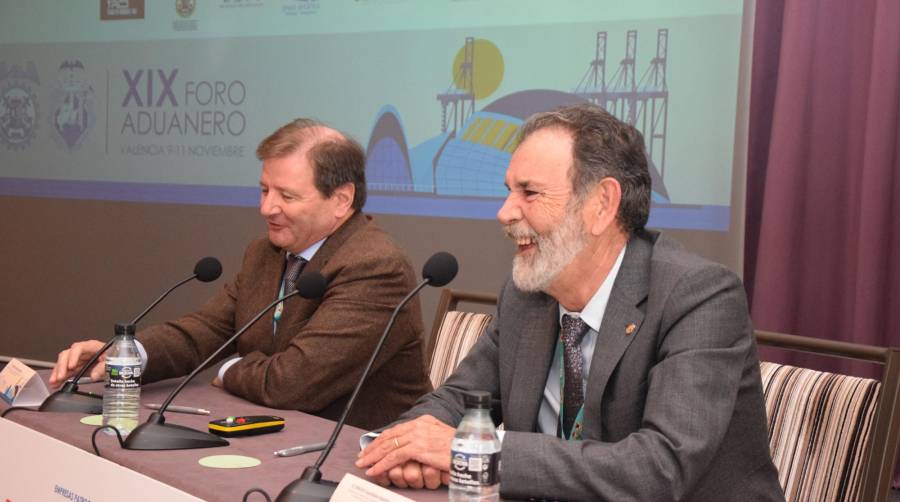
<point x="414" y="454"/>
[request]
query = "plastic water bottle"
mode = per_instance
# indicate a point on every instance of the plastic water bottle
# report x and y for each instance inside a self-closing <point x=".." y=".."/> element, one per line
<point x="122" y="395"/>
<point x="475" y="453"/>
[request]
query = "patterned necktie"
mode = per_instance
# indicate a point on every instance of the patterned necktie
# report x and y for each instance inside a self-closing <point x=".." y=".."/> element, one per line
<point x="294" y="266"/>
<point x="573" y="330"/>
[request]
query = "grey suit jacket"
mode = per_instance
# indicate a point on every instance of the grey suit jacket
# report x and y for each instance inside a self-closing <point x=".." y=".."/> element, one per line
<point x="673" y="410"/>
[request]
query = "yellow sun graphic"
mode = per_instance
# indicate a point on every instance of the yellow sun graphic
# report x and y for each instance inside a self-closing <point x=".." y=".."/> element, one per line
<point x="487" y="68"/>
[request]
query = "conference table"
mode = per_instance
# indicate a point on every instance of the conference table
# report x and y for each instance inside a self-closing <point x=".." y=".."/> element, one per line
<point x="51" y="453"/>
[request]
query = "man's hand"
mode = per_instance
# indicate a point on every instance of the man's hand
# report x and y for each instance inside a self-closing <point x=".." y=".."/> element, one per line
<point x="412" y="474"/>
<point x="72" y="359"/>
<point x="216" y="382"/>
<point x="412" y="454"/>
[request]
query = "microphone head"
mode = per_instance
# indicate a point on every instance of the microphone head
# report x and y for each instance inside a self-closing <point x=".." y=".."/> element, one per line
<point x="311" y="285"/>
<point x="440" y="269"/>
<point x="208" y="269"/>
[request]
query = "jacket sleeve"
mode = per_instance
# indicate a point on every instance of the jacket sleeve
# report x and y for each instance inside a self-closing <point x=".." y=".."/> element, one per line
<point x="175" y="348"/>
<point x="703" y="348"/>
<point x="326" y="356"/>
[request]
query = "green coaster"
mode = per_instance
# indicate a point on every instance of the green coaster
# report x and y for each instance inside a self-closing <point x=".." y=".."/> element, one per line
<point x="92" y="420"/>
<point x="229" y="461"/>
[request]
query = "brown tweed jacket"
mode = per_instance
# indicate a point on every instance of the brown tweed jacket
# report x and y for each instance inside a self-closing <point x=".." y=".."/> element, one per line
<point x="315" y="358"/>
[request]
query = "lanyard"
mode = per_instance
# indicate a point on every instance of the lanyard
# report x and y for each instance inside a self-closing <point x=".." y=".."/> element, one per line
<point x="578" y="425"/>
<point x="279" y="309"/>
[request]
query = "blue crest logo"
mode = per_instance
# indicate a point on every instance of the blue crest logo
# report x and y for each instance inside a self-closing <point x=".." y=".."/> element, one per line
<point x="73" y="100"/>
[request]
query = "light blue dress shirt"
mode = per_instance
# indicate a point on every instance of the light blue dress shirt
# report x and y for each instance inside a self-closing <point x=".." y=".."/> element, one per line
<point x="592" y="315"/>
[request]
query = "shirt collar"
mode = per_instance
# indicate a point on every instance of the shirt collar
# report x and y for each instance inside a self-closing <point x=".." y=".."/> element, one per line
<point x="592" y="313"/>
<point x="308" y="253"/>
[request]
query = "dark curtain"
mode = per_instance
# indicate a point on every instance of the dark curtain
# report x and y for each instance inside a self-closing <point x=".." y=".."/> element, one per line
<point x="822" y="252"/>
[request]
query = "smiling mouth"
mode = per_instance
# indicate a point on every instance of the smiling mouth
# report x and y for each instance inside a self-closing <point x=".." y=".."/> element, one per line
<point x="524" y="244"/>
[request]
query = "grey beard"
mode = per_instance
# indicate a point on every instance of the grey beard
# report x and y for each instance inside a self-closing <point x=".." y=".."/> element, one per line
<point x="554" y="252"/>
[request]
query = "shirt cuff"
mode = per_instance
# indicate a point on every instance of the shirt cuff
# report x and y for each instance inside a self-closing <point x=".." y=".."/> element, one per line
<point x="225" y="366"/>
<point x="143" y="352"/>
<point x="367" y="438"/>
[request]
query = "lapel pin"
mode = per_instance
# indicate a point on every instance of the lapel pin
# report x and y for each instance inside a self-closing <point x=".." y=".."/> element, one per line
<point x="630" y="328"/>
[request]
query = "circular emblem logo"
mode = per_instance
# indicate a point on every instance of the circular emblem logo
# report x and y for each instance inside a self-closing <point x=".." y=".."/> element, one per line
<point x="185" y="8"/>
<point x="460" y="462"/>
<point x="18" y="116"/>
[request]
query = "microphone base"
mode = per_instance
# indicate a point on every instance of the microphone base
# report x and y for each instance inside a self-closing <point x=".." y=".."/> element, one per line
<point x="70" y="400"/>
<point x="155" y="434"/>
<point x="309" y="487"/>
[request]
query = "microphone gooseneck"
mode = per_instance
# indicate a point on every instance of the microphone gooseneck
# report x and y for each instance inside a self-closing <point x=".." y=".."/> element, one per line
<point x="69" y="399"/>
<point x="438" y="271"/>
<point x="155" y="434"/>
<point x="362" y="379"/>
<point x="206" y="270"/>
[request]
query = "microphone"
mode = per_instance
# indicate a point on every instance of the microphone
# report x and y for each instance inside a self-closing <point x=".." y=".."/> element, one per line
<point x="438" y="271"/>
<point x="156" y="434"/>
<point x="69" y="399"/>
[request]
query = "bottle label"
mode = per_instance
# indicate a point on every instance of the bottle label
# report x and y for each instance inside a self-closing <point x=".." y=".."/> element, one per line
<point x="123" y="376"/>
<point x="474" y="469"/>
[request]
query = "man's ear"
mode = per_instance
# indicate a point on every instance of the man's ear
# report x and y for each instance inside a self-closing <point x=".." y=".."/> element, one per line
<point x="343" y="196"/>
<point x="603" y="205"/>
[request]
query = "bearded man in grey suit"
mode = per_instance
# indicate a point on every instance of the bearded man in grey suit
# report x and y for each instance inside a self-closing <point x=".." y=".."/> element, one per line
<point x="622" y="366"/>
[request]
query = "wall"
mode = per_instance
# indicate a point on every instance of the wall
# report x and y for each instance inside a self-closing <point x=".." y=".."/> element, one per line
<point x="73" y="268"/>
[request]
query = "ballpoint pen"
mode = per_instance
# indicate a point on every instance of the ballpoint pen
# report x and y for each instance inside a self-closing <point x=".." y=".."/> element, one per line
<point x="180" y="409"/>
<point x="300" y="450"/>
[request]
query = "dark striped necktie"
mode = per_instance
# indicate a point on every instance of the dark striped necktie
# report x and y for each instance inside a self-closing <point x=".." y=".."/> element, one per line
<point x="571" y="333"/>
<point x="292" y="270"/>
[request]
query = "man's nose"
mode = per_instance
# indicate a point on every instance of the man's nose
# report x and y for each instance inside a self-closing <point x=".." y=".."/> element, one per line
<point x="267" y="205"/>
<point x="509" y="212"/>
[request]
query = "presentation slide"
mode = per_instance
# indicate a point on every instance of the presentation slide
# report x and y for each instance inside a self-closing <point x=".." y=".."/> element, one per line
<point x="165" y="102"/>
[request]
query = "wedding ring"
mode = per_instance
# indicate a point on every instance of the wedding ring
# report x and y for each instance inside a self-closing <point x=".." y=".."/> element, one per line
<point x="396" y="443"/>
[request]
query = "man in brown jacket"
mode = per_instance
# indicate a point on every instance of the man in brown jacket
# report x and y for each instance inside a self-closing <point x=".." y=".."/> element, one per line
<point x="305" y="354"/>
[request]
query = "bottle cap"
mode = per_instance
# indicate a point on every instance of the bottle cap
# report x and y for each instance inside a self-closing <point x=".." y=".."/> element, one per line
<point x="125" y="329"/>
<point x="478" y="399"/>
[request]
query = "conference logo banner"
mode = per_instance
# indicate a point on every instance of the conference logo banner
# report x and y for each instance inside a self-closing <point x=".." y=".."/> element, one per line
<point x="18" y="105"/>
<point x="171" y="111"/>
<point x="177" y="119"/>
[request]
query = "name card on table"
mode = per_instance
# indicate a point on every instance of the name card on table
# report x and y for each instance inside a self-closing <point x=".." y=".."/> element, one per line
<point x="21" y="386"/>
<point x="355" y="489"/>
